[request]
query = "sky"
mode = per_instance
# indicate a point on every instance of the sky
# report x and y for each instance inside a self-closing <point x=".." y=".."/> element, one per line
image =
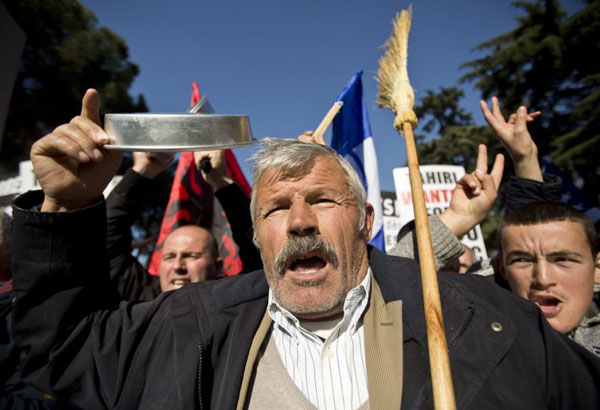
<point x="284" y="62"/>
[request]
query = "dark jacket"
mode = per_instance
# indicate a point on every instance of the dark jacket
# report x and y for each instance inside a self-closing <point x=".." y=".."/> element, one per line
<point x="124" y="205"/>
<point x="14" y="393"/>
<point x="187" y="349"/>
<point x="523" y="191"/>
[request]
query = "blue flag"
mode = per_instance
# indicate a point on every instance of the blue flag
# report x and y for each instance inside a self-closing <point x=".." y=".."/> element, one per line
<point x="353" y="140"/>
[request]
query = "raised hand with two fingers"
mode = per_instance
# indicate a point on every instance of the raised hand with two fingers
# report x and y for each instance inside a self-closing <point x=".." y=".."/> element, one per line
<point x="474" y="195"/>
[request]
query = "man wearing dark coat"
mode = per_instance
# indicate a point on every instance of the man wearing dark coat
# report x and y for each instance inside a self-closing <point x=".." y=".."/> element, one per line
<point x="329" y="323"/>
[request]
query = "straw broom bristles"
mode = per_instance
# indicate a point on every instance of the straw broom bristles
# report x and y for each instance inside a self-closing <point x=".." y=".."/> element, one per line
<point x="395" y="91"/>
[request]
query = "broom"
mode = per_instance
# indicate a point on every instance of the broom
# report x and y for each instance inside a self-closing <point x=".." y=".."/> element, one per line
<point x="395" y="92"/>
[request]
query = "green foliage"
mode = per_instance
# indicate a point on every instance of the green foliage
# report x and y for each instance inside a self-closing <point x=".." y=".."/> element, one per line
<point x="459" y="137"/>
<point x="549" y="63"/>
<point x="65" y="54"/>
<point x="458" y="141"/>
<point x="578" y="146"/>
<point x="443" y="110"/>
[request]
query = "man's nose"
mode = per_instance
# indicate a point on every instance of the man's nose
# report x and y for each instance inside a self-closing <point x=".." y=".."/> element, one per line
<point x="301" y="219"/>
<point x="180" y="266"/>
<point x="543" y="274"/>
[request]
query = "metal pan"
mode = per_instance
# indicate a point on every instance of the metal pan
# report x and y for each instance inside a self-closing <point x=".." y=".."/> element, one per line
<point x="176" y="132"/>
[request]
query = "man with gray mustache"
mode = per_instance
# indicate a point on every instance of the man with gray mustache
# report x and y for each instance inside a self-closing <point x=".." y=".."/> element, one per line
<point x="331" y="323"/>
<point x="304" y="245"/>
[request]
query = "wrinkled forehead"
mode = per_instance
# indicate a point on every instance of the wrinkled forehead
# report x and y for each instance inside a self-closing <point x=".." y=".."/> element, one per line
<point x="322" y="172"/>
<point x="280" y="173"/>
<point x="299" y="171"/>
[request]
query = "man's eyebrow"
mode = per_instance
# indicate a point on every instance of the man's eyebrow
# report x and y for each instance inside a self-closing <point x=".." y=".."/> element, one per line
<point x="565" y="252"/>
<point x="276" y="198"/>
<point x="518" y="252"/>
<point x="323" y="191"/>
<point x="561" y="252"/>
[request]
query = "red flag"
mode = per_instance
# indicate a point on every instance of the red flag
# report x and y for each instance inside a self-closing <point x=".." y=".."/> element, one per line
<point x="196" y="96"/>
<point x="192" y="202"/>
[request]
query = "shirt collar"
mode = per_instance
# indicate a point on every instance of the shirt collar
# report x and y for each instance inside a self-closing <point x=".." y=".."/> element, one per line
<point x="354" y="306"/>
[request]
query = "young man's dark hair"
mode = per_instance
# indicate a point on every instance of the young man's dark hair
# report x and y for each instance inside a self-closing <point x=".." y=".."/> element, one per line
<point x="543" y="212"/>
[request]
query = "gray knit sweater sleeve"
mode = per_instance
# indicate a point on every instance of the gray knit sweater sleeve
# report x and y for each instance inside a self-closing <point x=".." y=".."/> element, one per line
<point x="445" y="245"/>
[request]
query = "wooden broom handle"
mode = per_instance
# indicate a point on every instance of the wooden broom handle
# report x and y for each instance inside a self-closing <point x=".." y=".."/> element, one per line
<point x="439" y="362"/>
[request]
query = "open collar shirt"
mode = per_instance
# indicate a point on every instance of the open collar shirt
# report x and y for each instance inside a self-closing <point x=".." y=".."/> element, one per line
<point x="332" y="373"/>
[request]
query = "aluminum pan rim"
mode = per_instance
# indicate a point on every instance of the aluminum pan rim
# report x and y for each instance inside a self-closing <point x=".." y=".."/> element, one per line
<point x="176" y="132"/>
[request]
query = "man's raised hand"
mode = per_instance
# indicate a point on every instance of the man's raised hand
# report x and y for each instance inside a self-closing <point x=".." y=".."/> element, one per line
<point x="151" y="164"/>
<point x="516" y="138"/>
<point x="310" y="137"/>
<point x="70" y="163"/>
<point x="474" y="195"/>
<point x="217" y="177"/>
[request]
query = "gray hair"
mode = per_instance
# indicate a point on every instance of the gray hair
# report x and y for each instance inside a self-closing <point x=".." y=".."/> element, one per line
<point x="295" y="158"/>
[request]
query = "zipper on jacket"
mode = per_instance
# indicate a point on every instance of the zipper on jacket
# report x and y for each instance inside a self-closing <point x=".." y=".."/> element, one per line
<point x="201" y="348"/>
<point x="463" y="328"/>
<point x="199" y="380"/>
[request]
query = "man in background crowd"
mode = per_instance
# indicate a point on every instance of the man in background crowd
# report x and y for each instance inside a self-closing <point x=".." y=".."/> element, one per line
<point x="190" y="253"/>
<point x="548" y="254"/>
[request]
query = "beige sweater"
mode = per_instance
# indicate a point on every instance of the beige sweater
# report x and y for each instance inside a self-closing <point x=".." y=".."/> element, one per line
<point x="273" y="388"/>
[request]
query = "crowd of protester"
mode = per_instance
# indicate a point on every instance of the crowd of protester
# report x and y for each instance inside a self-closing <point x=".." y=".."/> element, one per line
<point x="523" y="329"/>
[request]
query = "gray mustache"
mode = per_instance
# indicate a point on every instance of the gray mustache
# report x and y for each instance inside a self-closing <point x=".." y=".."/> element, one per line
<point x="296" y="245"/>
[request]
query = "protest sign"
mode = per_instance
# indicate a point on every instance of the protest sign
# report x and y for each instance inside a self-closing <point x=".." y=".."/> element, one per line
<point x="438" y="184"/>
<point x="391" y="218"/>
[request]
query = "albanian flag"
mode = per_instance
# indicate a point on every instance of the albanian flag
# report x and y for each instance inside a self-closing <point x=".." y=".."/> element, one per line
<point x="192" y="202"/>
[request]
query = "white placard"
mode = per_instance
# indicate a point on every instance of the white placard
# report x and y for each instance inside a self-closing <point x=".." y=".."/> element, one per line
<point x="438" y="184"/>
<point x="391" y="218"/>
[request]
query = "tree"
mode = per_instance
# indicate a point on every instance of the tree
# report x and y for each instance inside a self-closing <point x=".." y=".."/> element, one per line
<point x="458" y="141"/>
<point x="546" y="64"/>
<point x="66" y="53"/>
<point x="459" y="136"/>
<point x="580" y="143"/>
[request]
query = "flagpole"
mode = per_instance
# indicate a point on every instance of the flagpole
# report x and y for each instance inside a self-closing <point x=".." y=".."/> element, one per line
<point x="326" y="121"/>
<point x="395" y="92"/>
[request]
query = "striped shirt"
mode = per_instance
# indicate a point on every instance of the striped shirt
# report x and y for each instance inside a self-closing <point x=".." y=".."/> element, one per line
<point x="332" y="374"/>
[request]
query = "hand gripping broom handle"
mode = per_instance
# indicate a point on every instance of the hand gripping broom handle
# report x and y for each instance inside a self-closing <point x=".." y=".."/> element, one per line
<point x="439" y="362"/>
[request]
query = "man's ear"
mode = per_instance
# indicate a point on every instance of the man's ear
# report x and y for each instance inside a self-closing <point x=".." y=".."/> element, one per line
<point x="597" y="270"/>
<point x="369" y="218"/>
